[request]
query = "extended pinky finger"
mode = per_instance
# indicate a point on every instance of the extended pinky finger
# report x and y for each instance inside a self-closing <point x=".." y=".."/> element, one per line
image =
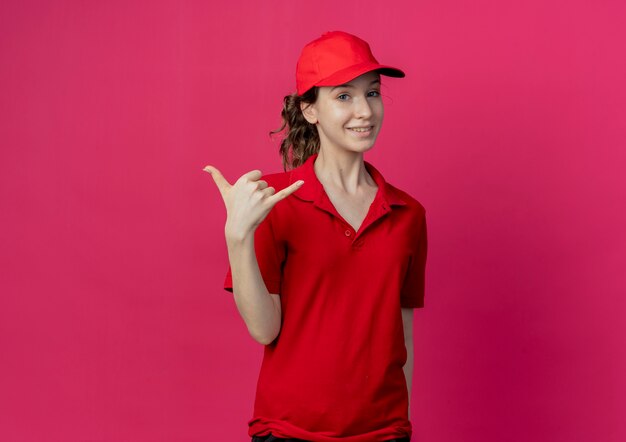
<point x="285" y="192"/>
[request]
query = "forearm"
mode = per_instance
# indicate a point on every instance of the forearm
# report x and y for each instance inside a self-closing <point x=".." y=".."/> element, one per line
<point x="408" y="368"/>
<point x="407" y="325"/>
<point x="254" y="302"/>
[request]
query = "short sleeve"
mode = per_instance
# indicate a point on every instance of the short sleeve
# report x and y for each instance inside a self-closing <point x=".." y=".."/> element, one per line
<point x="270" y="255"/>
<point x="412" y="295"/>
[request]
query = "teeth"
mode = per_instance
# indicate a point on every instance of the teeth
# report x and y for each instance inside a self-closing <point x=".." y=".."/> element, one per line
<point x="360" y="129"/>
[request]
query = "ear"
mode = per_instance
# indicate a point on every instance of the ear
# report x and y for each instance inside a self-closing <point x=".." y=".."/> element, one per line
<point x="308" y="110"/>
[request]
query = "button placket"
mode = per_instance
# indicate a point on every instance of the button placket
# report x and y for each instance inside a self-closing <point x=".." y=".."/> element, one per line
<point x="357" y="244"/>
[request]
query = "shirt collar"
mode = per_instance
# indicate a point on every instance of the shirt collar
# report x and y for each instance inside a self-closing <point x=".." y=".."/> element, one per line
<point x="312" y="190"/>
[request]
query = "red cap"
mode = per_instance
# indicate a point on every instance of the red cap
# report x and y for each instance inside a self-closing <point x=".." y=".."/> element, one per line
<point x="336" y="58"/>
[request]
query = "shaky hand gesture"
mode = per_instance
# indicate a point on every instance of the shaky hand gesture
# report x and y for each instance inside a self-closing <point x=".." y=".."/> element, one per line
<point x="248" y="201"/>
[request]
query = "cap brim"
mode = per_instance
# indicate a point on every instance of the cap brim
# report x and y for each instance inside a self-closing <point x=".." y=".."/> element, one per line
<point x="350" y="73"/>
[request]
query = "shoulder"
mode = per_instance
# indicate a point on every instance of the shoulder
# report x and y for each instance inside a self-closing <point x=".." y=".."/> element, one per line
<point x="414" y="215"/>
<point x="411" y="202"/>
<point x="395" y="195"/>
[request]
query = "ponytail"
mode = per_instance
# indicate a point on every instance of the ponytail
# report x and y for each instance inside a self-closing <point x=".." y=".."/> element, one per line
<point x="301" y="137"/>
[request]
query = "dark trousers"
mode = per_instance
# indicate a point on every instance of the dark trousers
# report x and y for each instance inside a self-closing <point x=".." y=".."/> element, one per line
<point x="271" y="438"/>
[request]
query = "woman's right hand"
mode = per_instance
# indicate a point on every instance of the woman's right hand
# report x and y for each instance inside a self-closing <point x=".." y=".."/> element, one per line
<point x="248" y="201"/>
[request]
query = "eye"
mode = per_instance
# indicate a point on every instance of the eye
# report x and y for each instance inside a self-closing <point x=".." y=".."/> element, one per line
<point x="373" y="94"/>
<point x="342" y="97"/>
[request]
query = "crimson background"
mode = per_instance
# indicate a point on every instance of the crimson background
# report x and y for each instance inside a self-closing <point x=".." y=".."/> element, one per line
<point x="509" y="128"/>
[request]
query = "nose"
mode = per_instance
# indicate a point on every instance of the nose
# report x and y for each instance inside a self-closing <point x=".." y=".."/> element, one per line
<point x="363" y="108"/>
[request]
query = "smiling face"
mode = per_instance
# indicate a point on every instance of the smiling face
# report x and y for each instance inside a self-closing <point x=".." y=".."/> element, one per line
<point x="348" y="116"/>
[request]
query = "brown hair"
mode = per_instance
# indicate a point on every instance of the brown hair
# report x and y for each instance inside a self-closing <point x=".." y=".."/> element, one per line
<point x="301" y="137"/>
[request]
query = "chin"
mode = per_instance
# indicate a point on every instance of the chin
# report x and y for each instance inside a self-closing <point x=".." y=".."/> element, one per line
<point x="362" y="149"/>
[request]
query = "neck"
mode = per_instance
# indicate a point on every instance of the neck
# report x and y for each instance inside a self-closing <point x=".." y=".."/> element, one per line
<point x="343" y="171"/>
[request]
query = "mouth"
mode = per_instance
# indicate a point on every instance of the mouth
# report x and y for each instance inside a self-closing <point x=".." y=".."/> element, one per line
<point x="362" y="130"/>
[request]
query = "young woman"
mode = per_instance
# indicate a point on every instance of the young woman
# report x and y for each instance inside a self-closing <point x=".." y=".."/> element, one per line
<point x="326" y="272"/>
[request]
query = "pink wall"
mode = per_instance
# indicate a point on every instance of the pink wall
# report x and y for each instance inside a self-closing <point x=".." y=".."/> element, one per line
<point x="509" y="128"/>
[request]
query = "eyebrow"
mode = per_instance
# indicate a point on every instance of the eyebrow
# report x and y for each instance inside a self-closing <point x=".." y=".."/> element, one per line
<point x="349" y="85"/>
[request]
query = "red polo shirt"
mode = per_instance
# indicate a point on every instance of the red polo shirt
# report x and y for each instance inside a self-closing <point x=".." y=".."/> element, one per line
<point x="334" y="373"/>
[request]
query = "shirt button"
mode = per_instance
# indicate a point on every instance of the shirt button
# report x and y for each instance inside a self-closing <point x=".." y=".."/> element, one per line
<point x="347" y="233"/>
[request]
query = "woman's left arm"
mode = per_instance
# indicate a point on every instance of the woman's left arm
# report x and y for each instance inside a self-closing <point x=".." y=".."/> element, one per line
<point x="407" y="325"/>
